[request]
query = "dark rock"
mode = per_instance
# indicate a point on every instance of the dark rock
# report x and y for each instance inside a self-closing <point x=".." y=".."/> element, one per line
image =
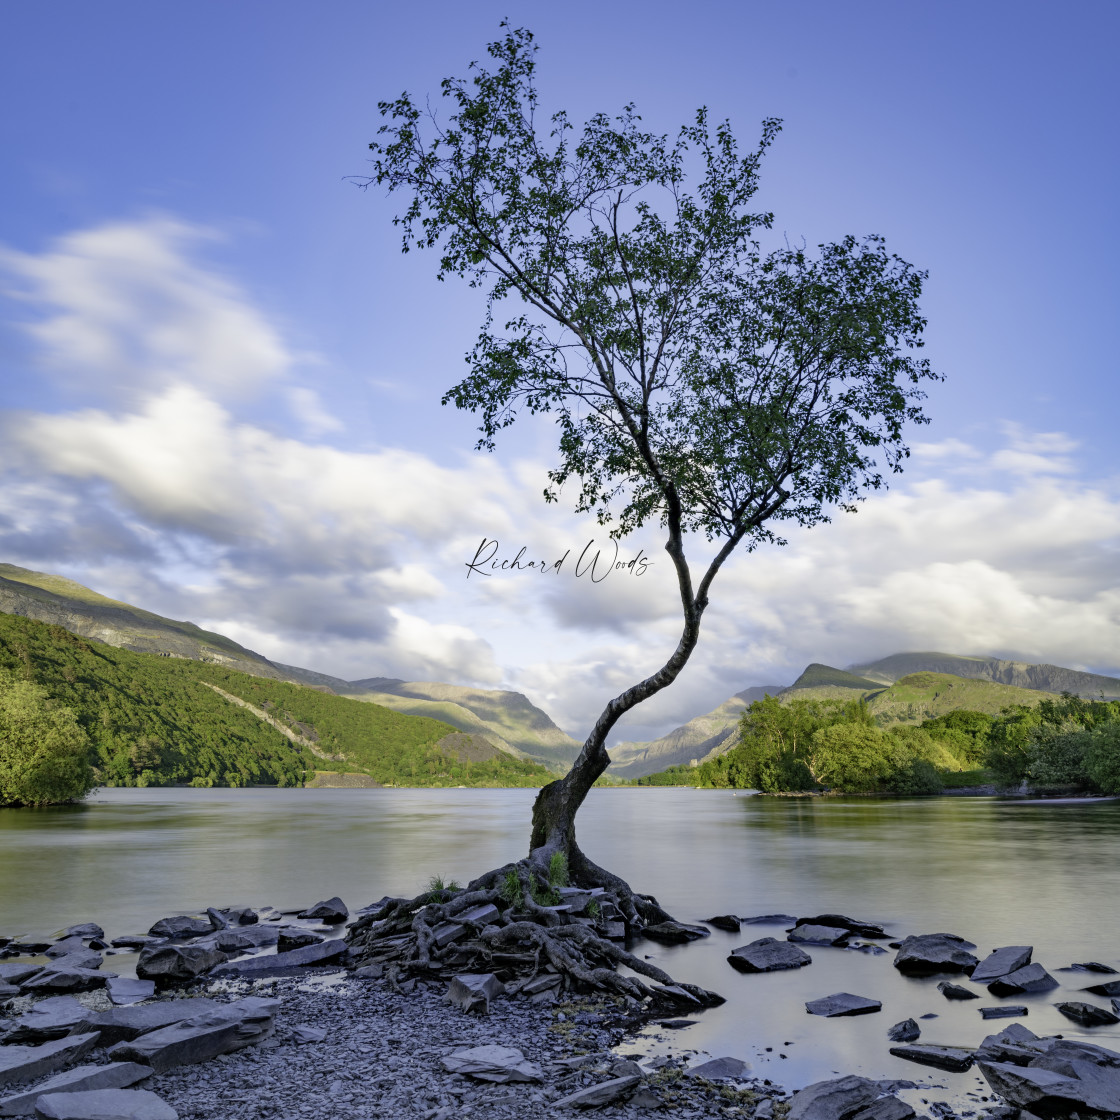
<point x="1111" y="988"/>
<point x="886" y="1108"/>
<point x="1008" y="1011"/>
<point x="864" y="929"/>
<point x="124" y="990"/>
<point x="28" y="948"/>
<point x="65" y="945"/>
<point x="675" y="994"/>
<point x="180" y="926"/>
<point x="1092" y="966"/>
<point x="769" y="920"/>
<point x="926" y="953"/>
<point x="134" y="941"/>
<point x="675" y="933"/>
<point x="615" y="931"/>
<point x="906" y="1031"/>
<point x="1002" y="961"/>
<point x="294" y="937"/>
<point x="1087" y="1014"/>
<point x="446" y="932"/>
<point x="12" y="973"/>
<point x="333" y="911"/>
<point x="473" y="991"/>
<point x="768" y="954"/>
<point x="956" y="991"/>
<point x="25" y="1063"/>
<point x="545" y="982"/>
<point x="954" y="1058"/>
<point x="240" y="916"/>
<point x="8" y="990"/>
<point x="677" y="1024"/>
<point x="229" y="1027"/>
<point x="168" y="965"/>
<point x="488" y="913"/>
<point x="79" y="958"/>
<point x="842" y="1003"/>
<point x="727" y="922"/>
<point x="368" y="972"/>
<point x="1031" y="978"/>
<point x="122" y="1024"/>
<point x="597" y="1096"/>
<point x="839" y="1099"/>
<point x="56" y="979"/>
<point x="492" y="1063"/>
<point x="811" y="934"/>
<point x="105" y="1104"/>
<point x="51" y="1018"/>
<point x="576" y="898"/>
<point x="719" y="1069"/>
<point x="1015" y="1043"/>
<point x="118" y="1075"/>
<point x="1048" y="1092"/>
<point x="232" y="942"/>
<point x="85" y="930"/>
<point x="325" y="952"/>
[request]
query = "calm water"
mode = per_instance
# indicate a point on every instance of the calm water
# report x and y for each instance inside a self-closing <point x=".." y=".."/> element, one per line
<point x="996" y="872"/>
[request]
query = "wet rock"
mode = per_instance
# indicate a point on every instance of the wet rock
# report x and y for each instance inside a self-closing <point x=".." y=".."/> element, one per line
<point x="473" y="991"/>
<point x="842" y="1003"/>
<point x="615" y="931"/>
<point x="839" y="1099"/>
<point x="85" y="930"/>
<point x="1031" y="978"/>
<point x="727" y="922"/>
<point x="819" y="935"/>
<point x="492" y="1063"/>
<point x="134" y="941"/>
<point x="105" y="1104"/>
<point x="768" y="954"/>
<point x="1006" y="1011"/>
<point x="118" y="1075"/>
<point x="50" y="1018"/>
<point x="719" y="1069"/>
<point x="675" y="933"/>
<point x="25" y="1063"/>
<point x="1087" y="1014"/>
<point x="677" y="1024"/>
<point x="574" y="897"/>
<point x="168" y="965"/>
<point x="1002" y="961"/>
<point x="124" y="1023"/>
<point x="79" y="958"/>
<point x="230" y="1027"/>
<point x="325" y="952"/>
<point x="954" y="1058"/>
<point x="863" y="929"/>
<point x="906" y="1031"/>
<point x="180" y="926"/>
<point x="294" y="937"/>
<point x="1015" y="1043"/>
<point x="333" y="912"/>
<point x="927" y="953"/>
<point x="769" y="920"/>
<point x="12" y="973"/>
<point x="1110" y="988"/>
<point x="239" y="916"/>
<point x="56" y="979"/>
<point x="1092" y="966"/>
<point x="956" y="991"/>
<point x="65" y="945"/>
<point x="125" y="990"/>
<point x="885" y="1108"/>
<point x="1048" y="1092"/>
<point x="598" y="1096"/>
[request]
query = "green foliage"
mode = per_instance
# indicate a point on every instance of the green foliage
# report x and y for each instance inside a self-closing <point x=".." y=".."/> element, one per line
<point x="558" y="869"/>
<point x="43" y="750"/>
<point x="1102" y="757"/>
<point x="510" y="890"/>
<point x="440" y="889"/>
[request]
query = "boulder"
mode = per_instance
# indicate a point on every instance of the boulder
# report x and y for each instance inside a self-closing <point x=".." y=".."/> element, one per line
<point x="125" y="990"/>
<point x="124" y="1023"/>
<point x="1002" y="961"/>
<point x="727" y="922"/>
<point x="1087" y="1014"/>
<point x="954" y="1058"/>
<point x="230" y="1027"/>
<point x="885" y="1108"/>
<point x="1006" y="1011"/>
<point x="1015" y="1043"/>
<point x="168" y="965"/>
<point x="842" y="1003"/>
<point x="598" y="1096"/>
<point x="839" y="1099"/>
<point x="864" y="929"/>
<point x="1111" y="988"/>
<point x="323" y="953"/>
<point x="956" y="991"/>
<point x="118" y="1075"/>
<point x="25" y="1063"/>
<point x="720" y="1069"/>
<point x="811" y="934"/>
<point x="239" y="915"/>
<point x="104" y="1104"/>
<point x="65" y="945"/>
<point x="333" y="912"/>
<point x="906" y="1031"/>
<point x="54" y="978"/>
<point x="50" y="1018"/>
<point x="675" y="933"/>
<point x="1030" y="978"/>
<point x="180" y="926"/>
<point x="768" y="954"/>
<point x="86" y="930"/>
<point x="492" y="1063"/>
<point x="473" y="991"/>
<point x="293" y="937"/>
<point x="926" y="953"/>
<point x="1047" y="1092"/>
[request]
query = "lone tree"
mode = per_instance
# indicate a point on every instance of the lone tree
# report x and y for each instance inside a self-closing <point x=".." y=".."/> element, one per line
<point x="696" y="379"/>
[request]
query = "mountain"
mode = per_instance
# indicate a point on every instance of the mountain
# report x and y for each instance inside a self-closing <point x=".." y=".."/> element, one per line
<point x="1020" y="674"/>
<point x="925" y="695"/>
<point x="817" y="675"/>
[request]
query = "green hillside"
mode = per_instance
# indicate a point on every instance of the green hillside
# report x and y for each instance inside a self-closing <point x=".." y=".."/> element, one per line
<point x="154" y="720"/>
<point x="922" y="696"/>
<point x="817" y="675"/>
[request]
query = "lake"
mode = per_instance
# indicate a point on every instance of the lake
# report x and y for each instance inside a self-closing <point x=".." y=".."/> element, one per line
<point x="998" y="872"/>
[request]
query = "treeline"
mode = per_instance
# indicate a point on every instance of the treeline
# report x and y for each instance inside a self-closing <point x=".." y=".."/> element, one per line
<point x="809" y="744"/>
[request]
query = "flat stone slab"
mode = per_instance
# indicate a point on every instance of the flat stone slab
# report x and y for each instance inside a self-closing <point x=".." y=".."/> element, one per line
<point x="105" y="1104"/>
<point x="122" y="1024"/>
<point x="12" y="972"/>
<point x="25" y="1063"/>
<point x="720" y="1069"/>
<point x="675" y="933"/>
<point x="1002" y="961"/>
<point x="1087" y="1014"/>
<point x="810" y="934"/>
<point x="54" y="1017"/>
<point x="768" y="954"/>
<point x="769" y="920"/>
<point x="606" y="1092"/>
<point x="1008" y="1011"/>
<point x="833" y="1100"/>
<point x="333" y="911"/>
<point x="927" y="953"/>
<point x="1031" y="978"/>
<point x="492" y="1063"/>
<point x="118" y="1075"/>
<point x="906" y="1031"/>
<point x="1082" y="1085"/>
<point x="325" y="952"/>
<point x="954" y="1058"/>
<point x="86" y="930"/>
<point x="54" y="978"/>
<point x="124" y="990"/>
<point x="291" y="937"/>
<point x="842" y="1003"/>
<point x="852" y="925"/>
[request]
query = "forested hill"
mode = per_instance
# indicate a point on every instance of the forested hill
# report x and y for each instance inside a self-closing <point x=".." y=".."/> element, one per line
<point x="153" y="720"/>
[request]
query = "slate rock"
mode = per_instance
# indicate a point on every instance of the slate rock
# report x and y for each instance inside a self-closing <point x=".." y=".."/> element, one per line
<point x="926" y="953"/>
<point x="676" y="994"/>
<point x="492" y="1063"/>
<point x="304" y="1034"/>
<point x="1015" y="1043"/>
<point x="487" y="913"/>
<point x="118" y="1075"/>
<point x="1092" y="966"/>
<point x="811" y="934"/>
<point x="293" y="937"/>
<point x="25" y="1063"/>
<point x="240" y="916"/>
<point x="842" y="1003"/>
<point x="768" y="954"/>
<point x="65" y="945"/>
<point x="105" y="1104"/>
<point x="85" y="930"/>
<point x="769" y="920"/>
<point x="906" y="1031"/>
<point x="598" y="1096"/>
<point x="124" y="1023"/>
<point x="1030" y="978"/>
<point x="727" y="922"/>
<point x="446" y="932"/>
<point x="134" y="941"/>
<point x="79" y="958"/>
<point x="473" y="991"/>
<point x="56" y="979"/>
<point x="333" y="911"/>
<point x="1002" y="961"/>
<point x="720" y="1069"/>
<point x="168" y="965"/>
<point x="1087" y="1014"/>
<point x="1005" y="1011"/>
<point x="674" y="933"/>
<point x="863" y="929"/>
<point x="50" y="1018"/>
<point x="180" y="926"/>
<point x="839" y="1099"/>
<point x="954" y="1058"/>
<point x="124" y="990"/>
<point x="886" y="1108"/>
<point x="324" y="953"/>
<point x="8" y="990"/>
<point x="1048" y="1092"/>
<point x="1111" y="988"/>
<point x="12" y="973"/>
<point x="230" y="1027"/>
<point x="956" y="991"/>
<point x="677" y="1024"/>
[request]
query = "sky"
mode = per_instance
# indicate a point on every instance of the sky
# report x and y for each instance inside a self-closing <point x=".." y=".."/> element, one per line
<point x="220" y="379"/>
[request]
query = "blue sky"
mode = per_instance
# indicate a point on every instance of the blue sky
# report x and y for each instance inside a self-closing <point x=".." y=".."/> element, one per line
<point x="220" y="380"/>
